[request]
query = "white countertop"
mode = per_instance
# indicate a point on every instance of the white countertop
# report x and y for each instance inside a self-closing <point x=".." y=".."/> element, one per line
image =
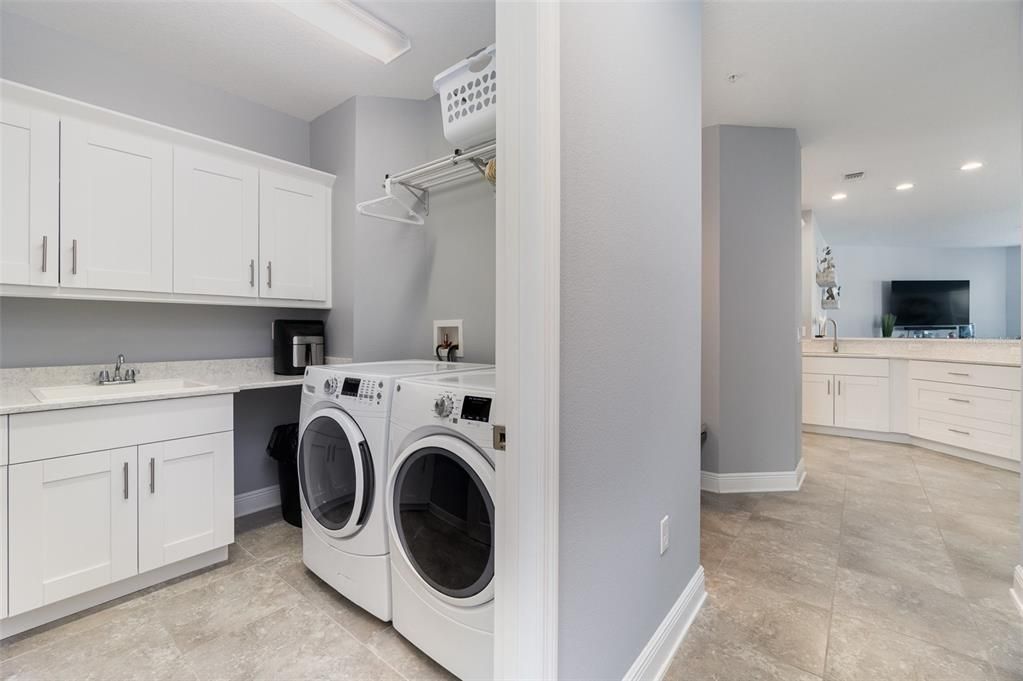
<point x="219" y="376"/>
<point x="962" y="351"/>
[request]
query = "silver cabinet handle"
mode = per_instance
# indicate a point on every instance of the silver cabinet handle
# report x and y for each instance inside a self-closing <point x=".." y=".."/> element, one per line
<point x="958" y="373"/>
<point x="957" y="399"/>
<point x="45" y="251"/>
<point x="829" y="386"/>
<point x="152" y="475"/>
<point x="252" y="272"/>
<point x="269" y="273"/>
<point x="74" y="256"/>
<point x="960" y="432"/>
<point x="125" y="479"/>
<point x="840" y="388"/>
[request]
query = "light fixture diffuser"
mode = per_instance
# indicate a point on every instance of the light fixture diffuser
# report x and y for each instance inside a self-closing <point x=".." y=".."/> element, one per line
<point x="904" y="187"/>
<point x="840" y="196"/>
<point x="972" y="165"/>
<point x="349" y="23"/>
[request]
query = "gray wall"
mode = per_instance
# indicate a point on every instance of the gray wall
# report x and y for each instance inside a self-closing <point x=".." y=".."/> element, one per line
<point x="46" y="332"/>
<point x="1012" y="292"/>
<point x="630" y="307"/>
<point x="403" y="276"/>
<point x="865" y="272"/>
<point x="752" y="254"/>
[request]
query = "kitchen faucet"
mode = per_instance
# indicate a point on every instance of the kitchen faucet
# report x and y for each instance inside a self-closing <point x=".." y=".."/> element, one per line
<point x="832" y="321"/>
<point x="128" y="377"/>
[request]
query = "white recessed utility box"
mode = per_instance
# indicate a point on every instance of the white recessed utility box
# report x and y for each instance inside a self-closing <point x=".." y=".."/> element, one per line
<point x="447" y="333"/>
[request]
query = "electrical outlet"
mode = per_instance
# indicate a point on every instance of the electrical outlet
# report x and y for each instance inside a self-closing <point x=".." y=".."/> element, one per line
<point x="664" y="534"/>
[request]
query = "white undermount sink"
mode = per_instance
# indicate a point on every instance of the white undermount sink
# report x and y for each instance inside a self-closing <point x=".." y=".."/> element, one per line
<point x="90" y="391"/>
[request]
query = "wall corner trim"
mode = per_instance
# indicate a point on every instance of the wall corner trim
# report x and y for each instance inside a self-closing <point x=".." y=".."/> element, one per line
<point x="1017" y="588"/>
<point x="256" y="500"/>
<point x="734" y="483"/>
<point x="659" y="651"/>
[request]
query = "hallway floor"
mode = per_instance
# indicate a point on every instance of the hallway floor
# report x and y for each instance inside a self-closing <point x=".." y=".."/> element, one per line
<point x="891" y="564"/>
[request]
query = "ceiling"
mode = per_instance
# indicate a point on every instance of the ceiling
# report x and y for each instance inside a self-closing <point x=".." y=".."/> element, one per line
<point x="904" y="91"/>
<point x="259" y="51"/>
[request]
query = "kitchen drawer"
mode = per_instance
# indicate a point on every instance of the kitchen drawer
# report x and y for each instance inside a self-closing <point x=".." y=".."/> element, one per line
<point x="1006" y="378"/>
<point x="986" y="404"/>
<point x="846" y="366"/>
<point x="987" y="437"/>
<point x="49" y="434"/>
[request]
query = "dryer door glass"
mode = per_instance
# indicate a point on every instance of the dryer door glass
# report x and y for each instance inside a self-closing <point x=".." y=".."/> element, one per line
<point x="334" y="471"/>
<point x="444" y="517"/>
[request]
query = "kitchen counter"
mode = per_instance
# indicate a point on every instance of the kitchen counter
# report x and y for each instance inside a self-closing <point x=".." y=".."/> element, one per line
<point x="218" y="376"/>
<point x="986" y="352"/>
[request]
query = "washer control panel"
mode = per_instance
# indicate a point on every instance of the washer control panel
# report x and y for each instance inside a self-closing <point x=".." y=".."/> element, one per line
<point x="467" y="407"/>
<point x="350" y="389"/>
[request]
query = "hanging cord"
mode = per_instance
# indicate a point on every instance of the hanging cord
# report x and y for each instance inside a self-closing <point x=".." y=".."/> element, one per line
<point x="451" y="348"/>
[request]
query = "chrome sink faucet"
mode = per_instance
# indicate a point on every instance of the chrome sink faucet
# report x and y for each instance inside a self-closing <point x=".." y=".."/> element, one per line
<point x="127" y="377"/>
<point x="832" y="321"/>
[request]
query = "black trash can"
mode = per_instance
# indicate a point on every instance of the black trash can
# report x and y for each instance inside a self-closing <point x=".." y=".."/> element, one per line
<point x="283" y="447"/>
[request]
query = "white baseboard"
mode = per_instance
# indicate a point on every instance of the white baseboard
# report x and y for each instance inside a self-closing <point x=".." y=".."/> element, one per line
<point x="256" y="500"/>
<point x="657" y="654"/>
<point x="732" y="483"/>
<point x="1017" y="588"/>
<point x="69" y="606"/>
<point x="903" y="439"/>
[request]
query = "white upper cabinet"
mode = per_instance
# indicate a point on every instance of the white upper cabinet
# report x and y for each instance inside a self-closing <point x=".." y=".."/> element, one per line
<point x="186" y="498"/>
<point x="294" y="219"/>
<point x="29" y="195"/>
<point x="216" y="225"/>
<point x="116" y="207"/>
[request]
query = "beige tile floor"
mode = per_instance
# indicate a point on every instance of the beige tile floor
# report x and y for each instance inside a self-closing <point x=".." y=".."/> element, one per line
<point x="891" y="564"/>
<point x="261" y="615"/>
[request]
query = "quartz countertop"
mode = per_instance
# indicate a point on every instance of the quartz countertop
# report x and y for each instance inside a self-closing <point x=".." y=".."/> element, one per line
<point x="217" y="376"/>
<point x="962" y="351"/>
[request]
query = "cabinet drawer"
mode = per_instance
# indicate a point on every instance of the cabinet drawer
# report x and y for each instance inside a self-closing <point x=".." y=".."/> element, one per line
<point x="846" y="366"/>
<point x="997" y="439"/>
<point x="1006" y="378"/>
<point x="49" y="434"/>
<point x="986" y="404"/>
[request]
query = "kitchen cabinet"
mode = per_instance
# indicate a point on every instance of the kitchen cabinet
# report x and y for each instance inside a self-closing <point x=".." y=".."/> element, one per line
<point x="186" y="498"/>
<point x="3" y="542"/>
<point x="294" y="219"/>
<point x="818" y="400"/>
<point x="72" y="526"/>
<point x="847" y="393"/>
<point x="216" y="225"/>
<point x="862" y="403"/>
<point x="115" y="204"/>
<point x="29" y="185"/>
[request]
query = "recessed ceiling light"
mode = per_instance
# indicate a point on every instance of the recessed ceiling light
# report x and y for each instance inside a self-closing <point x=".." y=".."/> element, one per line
<point x="839" y="196"/>
<point x="972" y="165"/>
<point x="905" y="186"/>
<point x="348" y="22"/>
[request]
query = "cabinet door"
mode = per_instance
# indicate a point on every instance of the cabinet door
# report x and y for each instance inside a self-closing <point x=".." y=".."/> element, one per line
<point x="292" y="238"/>
<point x="3" y="542"/>
<point x="862" y="403"/>
<point x="818" y="400"/>
<point x="72" y="526"/>
<point x="186" y="500"/>
<point x="115" y="203"/>
<point x="29" y="196"/>
<point x="216" y="225"/>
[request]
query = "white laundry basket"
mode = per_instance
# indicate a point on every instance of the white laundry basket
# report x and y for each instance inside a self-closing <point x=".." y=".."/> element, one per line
<point x="468" y="99"/>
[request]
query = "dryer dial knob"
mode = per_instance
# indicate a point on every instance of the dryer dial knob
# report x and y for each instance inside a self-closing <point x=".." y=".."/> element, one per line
<point x="443" y="406"/>
<point x="330" y="386"/>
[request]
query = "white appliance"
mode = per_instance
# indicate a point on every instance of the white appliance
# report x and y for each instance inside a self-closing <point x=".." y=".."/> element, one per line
<point x="342" y="469"/>
<point x="440" y="516"/>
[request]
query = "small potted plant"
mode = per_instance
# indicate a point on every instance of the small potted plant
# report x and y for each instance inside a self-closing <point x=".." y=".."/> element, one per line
<point x="887" y="325"/>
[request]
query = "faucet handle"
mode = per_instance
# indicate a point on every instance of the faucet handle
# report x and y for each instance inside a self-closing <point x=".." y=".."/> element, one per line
<point x="130" y="375"/>
<point x="104" y="376"/>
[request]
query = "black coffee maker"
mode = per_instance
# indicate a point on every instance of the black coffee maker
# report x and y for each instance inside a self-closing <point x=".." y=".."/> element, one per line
<point x="297" y="345"/>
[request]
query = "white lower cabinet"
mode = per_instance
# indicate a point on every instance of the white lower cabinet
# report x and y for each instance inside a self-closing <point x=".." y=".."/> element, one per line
<point x="186" y="498"/>
<point x="73" y="526"/>
<point x="818" y="400"/>
<point x="3" y="540"/>
<point x="862" y="403"/>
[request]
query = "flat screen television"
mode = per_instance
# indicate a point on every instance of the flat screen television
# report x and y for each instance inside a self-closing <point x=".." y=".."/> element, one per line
<point x="930" y="303"/>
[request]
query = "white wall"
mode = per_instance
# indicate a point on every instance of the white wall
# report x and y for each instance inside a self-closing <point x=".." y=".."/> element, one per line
<point x="753" y="261"/>
<point x="1012" y="292"/>
<point x="865" y="271"/>
<point x="630" y="314"/>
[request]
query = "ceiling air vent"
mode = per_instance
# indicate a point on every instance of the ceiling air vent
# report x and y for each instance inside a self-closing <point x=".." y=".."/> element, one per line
<point x="853" y="177"/>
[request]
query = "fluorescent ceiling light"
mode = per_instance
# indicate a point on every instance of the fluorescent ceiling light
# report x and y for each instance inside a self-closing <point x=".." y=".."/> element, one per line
<point x="839" y="196"/>
<point x="972" y="165"/>
<point x="905" y="186"/>
<point x="350" y="23"/>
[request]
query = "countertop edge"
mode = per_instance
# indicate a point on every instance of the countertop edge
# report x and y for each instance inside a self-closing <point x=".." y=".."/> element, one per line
<point x="849" y="355"/>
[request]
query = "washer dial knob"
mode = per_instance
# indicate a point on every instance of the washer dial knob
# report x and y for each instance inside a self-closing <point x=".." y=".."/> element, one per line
<point x="443" y="406"/>
<point x="330" y="386"/>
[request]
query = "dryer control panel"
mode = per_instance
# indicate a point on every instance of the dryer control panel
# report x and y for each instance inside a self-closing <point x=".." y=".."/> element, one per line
<point x="466" y="407"/>
<point x="351" y="389"/>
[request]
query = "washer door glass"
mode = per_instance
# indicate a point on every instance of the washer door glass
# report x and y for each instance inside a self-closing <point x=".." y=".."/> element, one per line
<point x="444" y="518"/>
<point x="335" y="471"/>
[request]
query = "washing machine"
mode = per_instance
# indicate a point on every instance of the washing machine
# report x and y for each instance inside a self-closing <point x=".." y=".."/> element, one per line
<point x="440" y="517"/>
<point x="342" y="471"/>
